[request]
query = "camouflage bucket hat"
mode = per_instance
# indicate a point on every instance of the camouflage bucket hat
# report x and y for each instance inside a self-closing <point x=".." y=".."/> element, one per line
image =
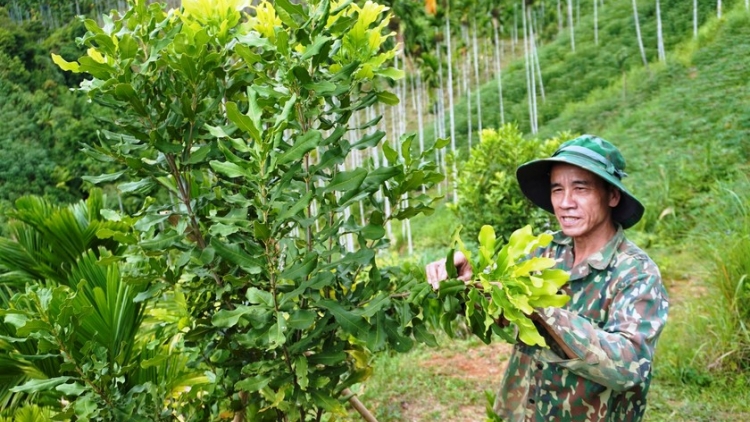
<point x="590" y="153"/>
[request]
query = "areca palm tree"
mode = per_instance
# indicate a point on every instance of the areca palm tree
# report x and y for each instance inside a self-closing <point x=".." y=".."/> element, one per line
<point x="72" y="318"/>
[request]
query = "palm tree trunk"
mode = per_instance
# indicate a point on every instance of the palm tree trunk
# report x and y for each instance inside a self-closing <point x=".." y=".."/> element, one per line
<point x="638" y="34"/>
<point x="718" y="9"/>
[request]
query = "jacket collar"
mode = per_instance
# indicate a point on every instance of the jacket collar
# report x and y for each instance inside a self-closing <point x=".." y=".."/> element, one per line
<point x="599" y="260"/>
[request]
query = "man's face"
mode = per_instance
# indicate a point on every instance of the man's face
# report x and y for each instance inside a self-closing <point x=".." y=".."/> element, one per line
<point x="582" y="202"/>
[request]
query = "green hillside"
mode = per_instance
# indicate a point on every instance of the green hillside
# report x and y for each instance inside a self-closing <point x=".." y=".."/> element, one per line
<point x="682" y="125"/>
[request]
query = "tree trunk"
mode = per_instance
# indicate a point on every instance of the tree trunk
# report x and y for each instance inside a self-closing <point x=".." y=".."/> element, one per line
<point x="465" y="82"/>
<point x="450" y="105"/>
<point x="559" y="18"/>
<point x="659" y="36"/>
<point x="478" y="84"/>
<point x="514" y="36"/>
<point x="638" y="34"/>
<point x="570" y="25"/>
<point x="596" y="23"/>
<point x="695" y="19"/>
<point x="528" y="61"/>
<point x="499" y="69"/>
<point x="718" y="9"/>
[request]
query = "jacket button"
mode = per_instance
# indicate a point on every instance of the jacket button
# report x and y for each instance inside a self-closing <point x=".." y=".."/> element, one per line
<point x="539" y="366"/>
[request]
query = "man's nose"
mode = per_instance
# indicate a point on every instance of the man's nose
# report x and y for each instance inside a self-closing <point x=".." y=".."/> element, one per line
<point x="567" y="200"/>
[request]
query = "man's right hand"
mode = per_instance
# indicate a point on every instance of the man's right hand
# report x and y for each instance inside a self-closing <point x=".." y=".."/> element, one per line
<point x="437" y="272"/>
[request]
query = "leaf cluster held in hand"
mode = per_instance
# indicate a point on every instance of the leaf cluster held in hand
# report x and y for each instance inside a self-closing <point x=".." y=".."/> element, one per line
<point x="508" y="283"/>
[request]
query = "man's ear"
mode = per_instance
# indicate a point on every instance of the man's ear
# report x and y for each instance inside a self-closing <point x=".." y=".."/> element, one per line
<point x="614" y="196"/>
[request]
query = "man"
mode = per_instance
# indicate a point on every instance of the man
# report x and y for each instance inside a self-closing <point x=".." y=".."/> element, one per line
<point x="598" y="366"/>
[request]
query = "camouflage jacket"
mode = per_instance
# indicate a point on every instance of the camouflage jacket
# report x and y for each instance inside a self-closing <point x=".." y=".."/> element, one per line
<point x="617" y="310"/>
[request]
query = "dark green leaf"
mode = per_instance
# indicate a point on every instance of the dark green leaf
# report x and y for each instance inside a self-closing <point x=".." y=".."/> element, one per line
<point x="253" y="384"/>
<point x="37" y="385"/>
<point x="369" y="140"/>
<point x="243" y="122"/>
<point x="390" y="154"/>
<point x="301" y="319"/>
<point x="235" y="255"/>
<point x="229" y="318"/>
<point x="299" y="271"/>
<point x="161" y="242"/>
<point x="259" y="297"/>
<point x="296" y="207"/>
<point x="346" y="181"/>
<point x="349" y="321"/>
<point x="304" y="144"/>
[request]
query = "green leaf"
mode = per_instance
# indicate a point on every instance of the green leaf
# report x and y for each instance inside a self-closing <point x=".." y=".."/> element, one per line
<point x="390" y="154"/>
<point x="276" y="335"/>
<point x="150" y="220"/>
<point x="327" y="402"/>
<point x="376" y="337"/>
<point x="74" y="389"/>
<point x="235" y="255"/>
<point x="315" y="49"/>
<point x="300" y="370"/>
<point x="387" y="98"/>
<point x="370" y="140"/>
<point x="327" y="358"/>
<point x="349" y="321"/>
<point x="153" y="291"/>
<point x="296" y="207"/>
<point x="247" y="54"/>
<point x="253" y="384"/>
<point x="161" y="242"/>
<point x="301" y="319"/>
<point x="300" y="270"/>
<point x="373" y="232"/>
<point x="243" y="122"/>
<point x="379" y="176"/>
<point x="259" y="297"/>
<point x="346" y="181"/>
<point x="229" y="318"/>
<point x="533" y="265"/>
<point x="37" y="385"/>
<point x="128" y="47"/>
<point x="140" y="187"/>
<point x="556" y="300"/>
<point x="304" y="144"/>
<point x="290" y="13"/>
<point x="103" y="178"/>
<point x="227" y="169"/>
<point x="376" y="304"/>
<point x="391" y="73"/>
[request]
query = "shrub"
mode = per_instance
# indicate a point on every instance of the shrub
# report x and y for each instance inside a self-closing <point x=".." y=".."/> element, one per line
<point x="488" y="192"/>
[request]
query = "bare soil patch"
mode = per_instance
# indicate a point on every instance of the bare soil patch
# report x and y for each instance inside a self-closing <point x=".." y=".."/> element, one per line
<point x="484" y="365"/>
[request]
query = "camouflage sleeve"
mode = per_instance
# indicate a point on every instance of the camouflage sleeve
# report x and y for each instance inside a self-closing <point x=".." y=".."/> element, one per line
<point x="619" y="354"/>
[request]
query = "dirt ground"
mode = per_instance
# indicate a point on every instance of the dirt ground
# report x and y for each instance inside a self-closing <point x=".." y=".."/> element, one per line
<point x="483" y="364"/>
